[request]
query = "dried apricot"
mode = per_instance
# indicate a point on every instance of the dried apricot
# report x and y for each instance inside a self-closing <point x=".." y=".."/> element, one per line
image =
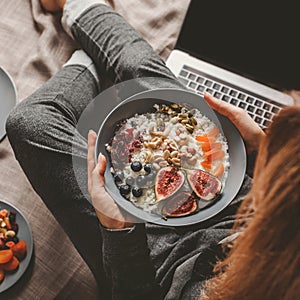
<point x="3" y="213"/>
<point x="9" y="244"/>
<point x="12" y="265"/>
<point x="5" y="256"/>
<point x="19" y="249"/>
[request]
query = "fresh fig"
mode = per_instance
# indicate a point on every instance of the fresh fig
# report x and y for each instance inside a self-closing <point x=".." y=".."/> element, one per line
<point x="182" y="204"/>
<point x="167" y="182"/>
<point x="205" y="185"/>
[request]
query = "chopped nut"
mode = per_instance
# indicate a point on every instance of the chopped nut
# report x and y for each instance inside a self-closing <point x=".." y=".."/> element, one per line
<point x="182" y="142"/>
<point x="166" y="154"/>
<point x="189" y="128"/>
<point x="156" y="166"/>
<point x="191" y="150"/>
<point x="174" y="154"/>
<point x="182" y="136"/>
<point x="174" y="120"/>
<point x="176" y="161"/>
<point x="177" y="138"/>
<point x="157" y="134"/>
<point x="184" y="115"/>
<point x="148" y="156"/>
<point x="158" y="159"/>
<point x="193" y="160"/>
<point x="163" y="163"/>
<point x="193" y="121"/>
<point x="9" y="233"/>
<point x="175" y="106"/>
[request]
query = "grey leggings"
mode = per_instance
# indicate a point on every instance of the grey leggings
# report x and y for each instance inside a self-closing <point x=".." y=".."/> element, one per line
<point x="42" y="127"/>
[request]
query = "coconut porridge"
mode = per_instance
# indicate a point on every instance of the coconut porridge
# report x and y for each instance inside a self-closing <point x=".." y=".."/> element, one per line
<point x="174" y="152"/>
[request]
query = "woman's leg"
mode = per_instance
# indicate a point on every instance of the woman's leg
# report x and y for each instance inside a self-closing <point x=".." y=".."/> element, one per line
<point x="115" y="47"/>
<point x="42" y="128"/>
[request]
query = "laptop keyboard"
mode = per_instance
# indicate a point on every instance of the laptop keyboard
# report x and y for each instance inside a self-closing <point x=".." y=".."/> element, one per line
<point x="261" y="110"/>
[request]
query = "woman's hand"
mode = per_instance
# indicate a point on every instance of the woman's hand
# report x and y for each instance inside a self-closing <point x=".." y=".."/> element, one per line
<point x="107" y="210"/>
<point x="249" y="130"/>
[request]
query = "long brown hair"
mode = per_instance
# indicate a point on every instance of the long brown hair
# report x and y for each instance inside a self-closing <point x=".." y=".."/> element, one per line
<point x="264" y="261"/>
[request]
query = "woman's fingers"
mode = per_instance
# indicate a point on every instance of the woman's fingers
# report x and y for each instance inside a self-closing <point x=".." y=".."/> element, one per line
<point x="106" y="209"/>
<point x="98" y="174"/>
<point x="248" y="128"/>
<point x="101" y="164"/>
<point x="90" y="157"/>
<point x="222" y="107"/>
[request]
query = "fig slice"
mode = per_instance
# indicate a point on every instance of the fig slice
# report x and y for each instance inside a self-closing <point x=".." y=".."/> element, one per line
<point x="167" y="182"/>
<point x="182" y="204"/>
<point x="206" y="186"/>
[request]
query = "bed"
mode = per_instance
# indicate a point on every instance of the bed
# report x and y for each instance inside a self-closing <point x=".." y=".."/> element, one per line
<point x="33" y="48"/>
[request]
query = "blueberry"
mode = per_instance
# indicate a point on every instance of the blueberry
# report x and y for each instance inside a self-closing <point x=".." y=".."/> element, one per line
<point x="148" y="168"/>
<point x="137" y="192"/>
<point x="15" y="239"/>
<point x="151" y="177"/>
<point x="119" y="176"/>
<point x="141" y="180"/>
<point x="124" y="189"/>
<point x="15" y="227"/>
<point x="130" y="180"/>
<point x="136" y="166"/>
<point x="12" y="217"/>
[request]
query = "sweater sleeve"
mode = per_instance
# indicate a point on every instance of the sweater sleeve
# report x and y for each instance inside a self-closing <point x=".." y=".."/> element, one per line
<point x="126" y="260"/>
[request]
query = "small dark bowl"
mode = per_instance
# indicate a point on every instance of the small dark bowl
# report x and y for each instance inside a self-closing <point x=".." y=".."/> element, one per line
<point x="142" y="103"/>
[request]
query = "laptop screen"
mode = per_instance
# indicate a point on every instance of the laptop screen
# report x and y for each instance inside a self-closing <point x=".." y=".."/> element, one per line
<point x="258" y="42"/>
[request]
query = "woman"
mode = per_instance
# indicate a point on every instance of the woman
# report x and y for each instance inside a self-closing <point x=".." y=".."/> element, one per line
<point x="264" y="261"/>
<point x="139" y="260"/>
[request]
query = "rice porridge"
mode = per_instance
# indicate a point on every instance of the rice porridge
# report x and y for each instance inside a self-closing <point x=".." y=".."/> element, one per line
<point x="160" y="154"/>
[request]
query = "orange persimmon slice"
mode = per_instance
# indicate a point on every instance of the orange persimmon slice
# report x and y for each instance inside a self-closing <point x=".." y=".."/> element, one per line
<point x="5" y="256"/>
<point x="219" y="170"/>
<point x="205" y="139"/>
<point x="213" y="132"/>
<point x="209" y="146"/>
<point x="206" y="164"/>
<point x="202" y="138"/>
<point x="11" y="265"/>
<point x="214" y="154"/>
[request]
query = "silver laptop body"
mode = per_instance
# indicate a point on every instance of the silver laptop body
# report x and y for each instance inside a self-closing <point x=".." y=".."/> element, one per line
<point x="260" y="101"/>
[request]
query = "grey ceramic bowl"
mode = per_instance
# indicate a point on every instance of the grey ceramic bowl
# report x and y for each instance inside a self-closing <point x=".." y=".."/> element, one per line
<point x="8" y="98"/>
<point x="143" y="102"/>
<point x="25" y="234"/>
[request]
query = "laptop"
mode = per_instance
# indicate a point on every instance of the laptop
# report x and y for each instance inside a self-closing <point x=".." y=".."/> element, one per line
<point x="238" y="54"/>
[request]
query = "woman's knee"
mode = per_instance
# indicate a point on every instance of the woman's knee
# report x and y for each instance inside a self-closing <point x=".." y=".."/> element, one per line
<point x="22" y="123"/>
